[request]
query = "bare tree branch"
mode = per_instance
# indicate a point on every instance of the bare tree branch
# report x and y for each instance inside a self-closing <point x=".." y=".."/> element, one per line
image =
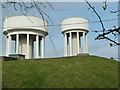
<point x="93" y="8"/>
<point x="51" y="6"/>
<point x="24" y="8"/>
<point x="115" y="11"/>
<point x="105" y="5"/>
<point x="115" y="32"/>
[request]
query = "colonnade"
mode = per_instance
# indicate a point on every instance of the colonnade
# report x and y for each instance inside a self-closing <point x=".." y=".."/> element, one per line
<point x="74" y="43"/>
<point x="39" y="46"/>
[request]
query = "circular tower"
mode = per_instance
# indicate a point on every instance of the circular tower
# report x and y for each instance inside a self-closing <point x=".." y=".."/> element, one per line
<point x="24" y="30"/>
<point x="73" y="29"/>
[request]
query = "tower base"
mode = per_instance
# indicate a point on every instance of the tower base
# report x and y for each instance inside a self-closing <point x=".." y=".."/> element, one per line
<point x="83" y="54"/>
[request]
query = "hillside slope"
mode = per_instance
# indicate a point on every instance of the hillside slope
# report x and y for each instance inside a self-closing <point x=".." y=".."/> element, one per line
<point x="74" y="72"/>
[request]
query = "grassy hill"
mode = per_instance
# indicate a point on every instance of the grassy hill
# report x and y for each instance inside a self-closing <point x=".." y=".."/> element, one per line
<point x="73" y="72"/>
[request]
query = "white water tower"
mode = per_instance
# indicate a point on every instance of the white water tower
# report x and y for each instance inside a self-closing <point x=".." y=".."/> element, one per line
<point x="73" y="29"/>
<point x="24" y="30"/>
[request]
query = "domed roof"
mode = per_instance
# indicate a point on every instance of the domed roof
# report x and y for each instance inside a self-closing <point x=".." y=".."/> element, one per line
<point x="29" y="23"/>
<point x="74" y="23"/>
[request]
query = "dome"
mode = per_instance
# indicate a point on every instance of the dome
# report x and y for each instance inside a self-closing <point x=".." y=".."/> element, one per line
<point x="25" y="23"/>
<point x="75" y="23"/>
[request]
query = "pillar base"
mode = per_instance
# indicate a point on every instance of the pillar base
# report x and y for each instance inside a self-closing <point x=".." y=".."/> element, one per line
<point x="83" y="54"/>
<point x="18" y="56"/>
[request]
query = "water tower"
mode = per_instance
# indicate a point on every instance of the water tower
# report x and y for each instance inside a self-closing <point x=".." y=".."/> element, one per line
<point x="73" y="29"/>
<point x="24" y="30"/>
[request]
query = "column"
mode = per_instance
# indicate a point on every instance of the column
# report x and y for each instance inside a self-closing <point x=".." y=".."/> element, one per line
<point x="32" y="49"/>
<point x="8" y="45"/>
<point x="70" y="43"/>
<point x="37" y="46"/>
<point x="65" y="45"/>
<point x="17" y="43"/>
<point x="27" y="55"/>
<point x="78" y="42"/>
<point x="84" y="44"/>
<point x="42" y="47"/>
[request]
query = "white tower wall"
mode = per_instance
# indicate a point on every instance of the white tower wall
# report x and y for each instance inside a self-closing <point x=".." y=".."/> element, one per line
<point x="23" y="47"/>
<point x="74" y="43"/>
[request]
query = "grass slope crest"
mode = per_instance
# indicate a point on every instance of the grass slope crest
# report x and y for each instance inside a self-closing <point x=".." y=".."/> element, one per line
<point x="74" y="72"/>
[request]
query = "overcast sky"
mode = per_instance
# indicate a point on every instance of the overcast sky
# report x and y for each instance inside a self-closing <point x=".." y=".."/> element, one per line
<point x="67" y="10"/>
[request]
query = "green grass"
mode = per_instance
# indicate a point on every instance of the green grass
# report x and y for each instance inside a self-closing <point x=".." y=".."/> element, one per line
<point x="74" y="72"/>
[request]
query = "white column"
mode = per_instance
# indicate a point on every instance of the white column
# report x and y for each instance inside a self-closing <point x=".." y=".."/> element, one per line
<point x="27" y="56"/>
<point x="8" y="45"/>
<point x="40" y="47"/>
<point x="43" y="48"/>
<point x="65" y="45"/>
<point x="32" y="49"/>
<point x="37" y="46"/>
<point x="70" y="43"/>
<point x="17" y="43"/>
<point x="84" y="44"/>
<point x="78" y="42"/>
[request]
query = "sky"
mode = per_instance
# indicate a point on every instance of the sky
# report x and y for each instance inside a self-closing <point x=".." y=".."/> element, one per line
<point x="68" y="10"/>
